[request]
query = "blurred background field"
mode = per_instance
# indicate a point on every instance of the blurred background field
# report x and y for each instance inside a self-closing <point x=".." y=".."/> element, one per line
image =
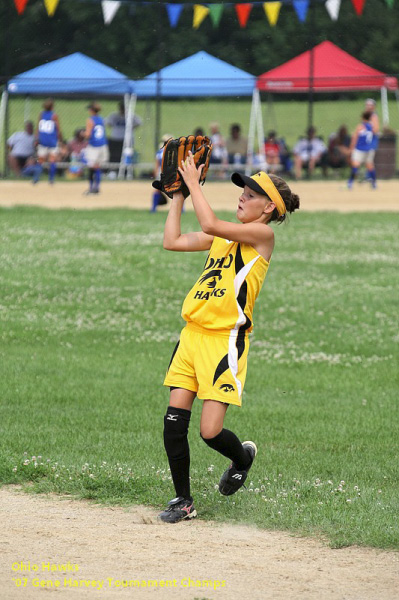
<point x="90" y="315"/>
<point x="181" y="117"/>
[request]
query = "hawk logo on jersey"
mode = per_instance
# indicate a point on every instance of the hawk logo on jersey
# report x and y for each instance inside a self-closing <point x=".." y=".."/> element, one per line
<point x="215" y="273"/>
<point x="227" y="387"/>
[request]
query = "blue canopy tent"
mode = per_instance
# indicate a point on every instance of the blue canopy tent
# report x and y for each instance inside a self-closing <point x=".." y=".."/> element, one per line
<point x="71" y="75"/>
<point x="198" y="75"/>
<point x="202" y="75"/>
<point x="76" y="75"/>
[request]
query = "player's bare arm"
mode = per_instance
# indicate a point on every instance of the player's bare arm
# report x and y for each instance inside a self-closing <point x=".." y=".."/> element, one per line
<point x="89" y="128"/>
<point x="173" y="239"/>
<point x="255" y="233"/>
<point x="354" y="137"/>
<point x="375" y="123"/>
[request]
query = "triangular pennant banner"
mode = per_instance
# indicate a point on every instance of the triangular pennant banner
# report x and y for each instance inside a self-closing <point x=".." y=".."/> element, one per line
<point x="272" y="10"/>
<point x="215" y="12"/>
<point x="333" y="7"/>
<point x="358" y="6"/>
<point x="200" y="13"/>
<point x="110" y="8"/>
<point x="301" y="9"/>
<point x="390" y="3"/>
<point x="51" y="6"/>
<point x="174" y="12"/>
<point x="243" y="11"/>
<point x="20" y="5"/>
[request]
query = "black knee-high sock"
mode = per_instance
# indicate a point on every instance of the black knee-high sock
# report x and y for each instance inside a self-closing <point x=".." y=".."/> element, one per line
<point x="175" y="435"/>
<point x="91" y="178"/>
<point x="227" y="443"/>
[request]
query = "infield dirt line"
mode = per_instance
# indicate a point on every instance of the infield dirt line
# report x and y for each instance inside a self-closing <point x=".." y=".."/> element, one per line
<point x="315" y="195"/>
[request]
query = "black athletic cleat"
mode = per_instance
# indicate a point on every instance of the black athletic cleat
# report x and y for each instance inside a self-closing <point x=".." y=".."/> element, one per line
<point x="232" y="479"/>
<point x="177" y="510"/>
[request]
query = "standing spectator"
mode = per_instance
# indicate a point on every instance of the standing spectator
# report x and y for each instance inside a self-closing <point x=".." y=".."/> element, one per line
<point x="48" y="135"/>
<point x="236" y="146"/>
<point x="21" y="146"/>
<point x="310" y="152"/>
<point x="370" y="106"/>
<point x="362" y="149"/>
<point x="97" y="149"/>
<point x="272" y="152"/>
<point x="116" y="121"/>
<point x="339" y="151"/>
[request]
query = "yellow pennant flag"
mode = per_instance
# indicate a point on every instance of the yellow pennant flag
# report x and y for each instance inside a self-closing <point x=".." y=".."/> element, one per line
<point x="51" y="6"/>
<point x="200" y="13"/>
<point x="272" y="10"/>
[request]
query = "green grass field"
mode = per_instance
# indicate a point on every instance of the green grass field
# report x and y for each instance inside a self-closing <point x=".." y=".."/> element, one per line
<point x="288" y="117"/>
<point x="90" y="313"/>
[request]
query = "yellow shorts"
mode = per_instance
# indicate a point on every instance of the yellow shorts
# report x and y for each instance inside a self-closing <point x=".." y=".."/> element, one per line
<point x="213" y="365"/>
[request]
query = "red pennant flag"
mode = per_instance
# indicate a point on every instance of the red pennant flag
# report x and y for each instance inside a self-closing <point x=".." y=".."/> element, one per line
<point x="243" y="11"/>
<point x="20" y="5"/>
<point x="358" y="5"/>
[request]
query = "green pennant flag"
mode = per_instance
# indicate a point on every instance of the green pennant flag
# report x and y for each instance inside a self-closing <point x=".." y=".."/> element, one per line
<point x="390" y="3"/>
<point x="215" y="12"/>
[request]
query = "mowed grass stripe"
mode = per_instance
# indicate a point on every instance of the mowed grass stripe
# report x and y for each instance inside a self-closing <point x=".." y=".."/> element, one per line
<point x="90" y="313"/>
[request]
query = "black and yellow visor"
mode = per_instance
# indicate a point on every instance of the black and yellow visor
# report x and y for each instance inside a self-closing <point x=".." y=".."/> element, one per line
<point x="261" y="184"/>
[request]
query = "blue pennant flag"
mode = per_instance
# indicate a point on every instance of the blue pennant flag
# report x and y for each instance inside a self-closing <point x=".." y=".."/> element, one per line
<point x="301" y="9"/>
<point x="174" y="12"/>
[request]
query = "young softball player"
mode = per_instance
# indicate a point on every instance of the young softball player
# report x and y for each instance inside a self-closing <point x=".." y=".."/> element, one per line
<point x="210" y="359"/>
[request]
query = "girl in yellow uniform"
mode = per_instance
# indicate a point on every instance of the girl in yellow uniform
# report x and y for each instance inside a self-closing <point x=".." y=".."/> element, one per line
<point x="210" y="359"/>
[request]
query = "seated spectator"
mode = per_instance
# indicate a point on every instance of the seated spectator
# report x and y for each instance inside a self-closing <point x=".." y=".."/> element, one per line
<point x="310" y="152"/>
<point x="236" y="146"/>
<point x="339" y="153"/>
<point x="77" y="144"/>
<point x="21" y="146"/>
<point x="219" y="152"/>
<point x="32" y="169"/>
<point x="272" y="152"/>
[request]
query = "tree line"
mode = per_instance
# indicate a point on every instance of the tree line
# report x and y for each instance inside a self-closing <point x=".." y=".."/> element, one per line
<point x="140" y="38"/>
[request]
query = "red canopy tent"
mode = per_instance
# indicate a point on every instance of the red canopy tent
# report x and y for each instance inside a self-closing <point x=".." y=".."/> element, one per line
<point x="324" y="68"/>
<point x="334" y="70"/>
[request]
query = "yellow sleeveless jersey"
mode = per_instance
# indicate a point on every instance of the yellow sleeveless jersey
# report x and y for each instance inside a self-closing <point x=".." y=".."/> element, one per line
<point x="223" y="298"/>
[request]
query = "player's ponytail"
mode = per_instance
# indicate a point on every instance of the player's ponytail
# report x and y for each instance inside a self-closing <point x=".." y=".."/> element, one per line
<point x="291" y="200"/>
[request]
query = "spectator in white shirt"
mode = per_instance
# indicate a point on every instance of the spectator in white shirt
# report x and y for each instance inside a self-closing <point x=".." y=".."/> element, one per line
<point x="21" y="145"/>
<point x="309" y="152"/>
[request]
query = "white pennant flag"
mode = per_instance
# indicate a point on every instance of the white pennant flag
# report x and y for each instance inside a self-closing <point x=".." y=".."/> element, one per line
<point x="333" y="7"/>
<point x="110" y="8"/>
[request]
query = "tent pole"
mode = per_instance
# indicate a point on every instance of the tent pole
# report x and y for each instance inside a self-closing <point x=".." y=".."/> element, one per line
<point x="121" y="170"/>
<point x="385" y="108"/>
<point x="3" y="118"/>
<point x="251" y="134"/>
<point x="261" y="133"/>
<point x="312" y="10"/>
<point x="126" y="164"/>
<point x="159" y="78"/>
<point x="132" y="110"/>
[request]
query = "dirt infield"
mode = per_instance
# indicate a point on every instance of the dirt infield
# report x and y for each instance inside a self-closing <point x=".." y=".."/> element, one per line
<point x="315" y="196"/>
<point x="104" y="546"/>
<point x="101" y="547"/>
